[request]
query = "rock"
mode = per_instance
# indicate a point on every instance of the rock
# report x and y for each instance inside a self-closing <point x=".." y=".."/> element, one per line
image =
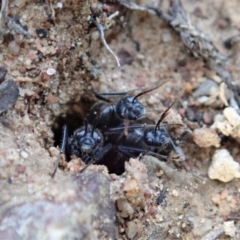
<point x="205" y="88"/>
<point x="125" y="208"/>
<point x="86" y="213"/>
<point x="9" y="93"/>
<point x="205" y="137"/>
<point x="128" y="191"/>
<point x="3" y="72"/>
<point x="232" y="116"/>
<point x="131" y="229"/>
<point x="229" y="228"/>
<point x="51" y="71"/>
<point x="223" y="167"/>
<point x="224" y="127"/>
<point x="228" y="124"/>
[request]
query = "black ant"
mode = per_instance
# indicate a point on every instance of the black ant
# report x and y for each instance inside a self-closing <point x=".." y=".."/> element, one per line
<point x="144" y="139"/>
<point x="126" y="109"/>
<point x="86" y="143"/>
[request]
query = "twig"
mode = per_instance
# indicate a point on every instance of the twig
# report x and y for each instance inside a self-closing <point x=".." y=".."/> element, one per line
<point x="100" y="28"/>
<point x="193" y="38"/>
<point x="214" y="234"/>
<point x="3" y="17"/>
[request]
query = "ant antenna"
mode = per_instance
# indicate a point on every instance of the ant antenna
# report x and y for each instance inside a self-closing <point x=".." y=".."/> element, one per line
<point x="86" y="126"/>
<point x="165" y="113"/>
<point x="149" y="90"/>
<point x="93" y="127"/>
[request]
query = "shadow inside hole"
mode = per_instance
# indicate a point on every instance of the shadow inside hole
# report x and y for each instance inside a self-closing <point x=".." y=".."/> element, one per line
<point x="74" y="119"/>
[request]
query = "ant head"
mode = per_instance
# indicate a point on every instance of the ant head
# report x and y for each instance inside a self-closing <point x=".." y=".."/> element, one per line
<point x="130" y="108"/>
<point x="156" y="137"/>
<point x="88" y="139"/>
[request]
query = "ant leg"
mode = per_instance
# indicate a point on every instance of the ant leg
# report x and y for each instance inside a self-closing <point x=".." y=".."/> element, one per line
<point x="127" y="151"/>
<point x="63" y="145"/>
<point x="85" y="158"/>
<point x="130" y="128"/>
<point x="98" y="156"/>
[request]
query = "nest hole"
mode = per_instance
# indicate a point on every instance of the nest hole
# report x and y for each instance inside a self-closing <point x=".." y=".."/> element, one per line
<point x="74" y="118"/>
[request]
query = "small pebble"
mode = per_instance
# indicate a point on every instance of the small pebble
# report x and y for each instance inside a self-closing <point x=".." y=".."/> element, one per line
<point x="59" y="5"/>
<point x="223" y="23"/>
<point x="51" y="71"/>
<point x="205" y="88"/>
<point x="175" y="193"/>
<point x="166" y="36"/>
<point x="232" y="116"/>
<point x="202" y="99"/>
<point x="205" y="137"/>
<point x="223" y="166"/>
<point x="229" y="228"/>
<point x="3" y="72"/>
<point x="224" y="127"/>
<point x="54" y="152"/>
<point x="24" y="154"/>
<point x="13" y="47"/>
<point x="131" y="229"/>
<point x="208" y="117"/>
<point x="20" y="168"/>
<point x="9" y="93"/>
<point x="125" y="207"/>
<point x="41" y="32"/>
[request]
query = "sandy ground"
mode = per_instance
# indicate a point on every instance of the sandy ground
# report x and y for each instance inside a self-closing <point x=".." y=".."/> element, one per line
<point x="56" y="75"/>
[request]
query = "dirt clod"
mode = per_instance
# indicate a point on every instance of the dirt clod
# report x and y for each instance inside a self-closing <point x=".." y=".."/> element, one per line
<point x="223" y="166"/>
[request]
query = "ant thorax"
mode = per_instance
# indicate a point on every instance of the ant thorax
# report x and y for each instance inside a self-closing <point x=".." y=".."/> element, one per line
<point x="130" y="108"/>
<point x="87" y="139"/>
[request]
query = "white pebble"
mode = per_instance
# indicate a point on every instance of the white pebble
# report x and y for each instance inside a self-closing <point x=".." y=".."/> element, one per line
<point x="166" y="36"/>
<point x="203" y="99"/>
<point x="59" y="5"/>
<point x="232" y="116"/>
<point x="51" y="71"/>
<point x="223" y="166"/>
<point x="175" y="193"/>
<point x="95" y="35"/>
<point x="24" y="154"/>
<point x="229" y="228"/>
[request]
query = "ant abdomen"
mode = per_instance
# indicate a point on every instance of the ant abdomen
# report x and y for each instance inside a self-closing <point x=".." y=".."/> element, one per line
<point x="102" y="116"/>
